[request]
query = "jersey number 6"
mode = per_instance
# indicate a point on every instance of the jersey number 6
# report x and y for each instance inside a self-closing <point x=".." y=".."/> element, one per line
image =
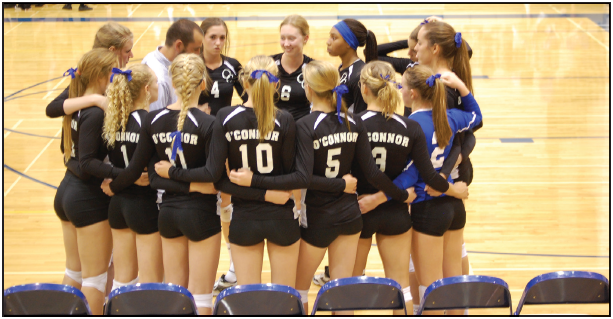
<point x="437" y="162"/>
<point x="285" y="90"/>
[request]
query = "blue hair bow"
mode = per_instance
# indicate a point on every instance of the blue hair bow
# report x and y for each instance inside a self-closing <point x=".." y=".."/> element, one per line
<point x="127" y="73"/>
<point x="176" y="136"/>
<point x="458" y="39"/>
<point x="71" y="72"/>
<point x="432" y="78"/>
<point x="340" y="90"/>
<point x="258" y="74"/>
<point x="424" y="22"/>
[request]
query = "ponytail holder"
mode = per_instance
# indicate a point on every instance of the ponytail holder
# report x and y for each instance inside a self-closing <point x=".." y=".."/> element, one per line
<point x="432" y="78"/>
<point x="458" y="39"/>
<point x="127" y="73"/>
<point x="424" y="22"/>
<point x="388" y="79"/>
<point x="257" y="74"/>
<point x="176" y="145"/>
<point x="340" y="90"/>
<point x="72" y="72"/>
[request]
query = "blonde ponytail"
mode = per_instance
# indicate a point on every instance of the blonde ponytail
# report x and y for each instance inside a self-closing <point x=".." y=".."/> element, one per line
<point x="379" y="76"/>
<point x="263" y="89"/>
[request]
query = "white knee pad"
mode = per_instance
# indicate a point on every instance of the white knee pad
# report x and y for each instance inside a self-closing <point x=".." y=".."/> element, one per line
<point x="304" y="295"/>
<point x="226" y="213"/>
<point x="98" y="282"/>
<point x="204" y="300"/>
<point x="411" y="266"/>
<point x="117" y="284"/>
<point x="464" y="253"/>
<point x="422" y="291"/>
<point x="74" y="275"/>
<point x="407" y="294"/>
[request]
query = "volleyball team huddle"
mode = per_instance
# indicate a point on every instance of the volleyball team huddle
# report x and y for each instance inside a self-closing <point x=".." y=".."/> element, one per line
<point x="314" y="159"/>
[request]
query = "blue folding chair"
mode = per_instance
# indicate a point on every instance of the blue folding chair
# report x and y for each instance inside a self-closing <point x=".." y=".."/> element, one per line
<point x="259" y="299"/>
<point x="44" y="299"/>
<point x="566" y="287"/>
<point x="466" y="292"/>
<point x="150" y="299"/>
<point x="359" y="293"/>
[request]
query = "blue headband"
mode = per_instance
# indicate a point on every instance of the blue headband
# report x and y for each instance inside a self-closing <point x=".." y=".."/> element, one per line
<point x="176" y="145"/>
<point x="257" y="74"/>
<point x="347" y="34"/>
<point x="72" y="72"/>
<point x="340" y="90"/>
<point x="458" y="39"/>
<point x="432" y="78"/>
<point x="127" y="73"/>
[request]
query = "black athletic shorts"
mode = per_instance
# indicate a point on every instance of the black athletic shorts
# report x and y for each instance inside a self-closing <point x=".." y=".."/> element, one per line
<point x="434" y="217"/>
<point x="465" y="172"/>
<point x="195" y="217"/>
<point x="81" y="202"/>
<point x="248" y="232"/>
<point x="390" y="218"/>
<point x="139" y="212"/>
<point x="459" y="214"/>
<point x="322" y="236"/>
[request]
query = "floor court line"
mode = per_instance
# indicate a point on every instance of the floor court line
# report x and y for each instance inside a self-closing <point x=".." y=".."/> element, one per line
<point x="143" y="34"/>
<point x="55" y="87"/>
<point x="12" y="128"/>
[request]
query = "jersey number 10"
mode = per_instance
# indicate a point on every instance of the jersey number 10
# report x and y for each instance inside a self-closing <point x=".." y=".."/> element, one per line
<point x="259" y="155"/>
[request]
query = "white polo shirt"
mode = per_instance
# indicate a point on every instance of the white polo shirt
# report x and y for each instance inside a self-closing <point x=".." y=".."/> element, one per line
<point x="160" y="64"/>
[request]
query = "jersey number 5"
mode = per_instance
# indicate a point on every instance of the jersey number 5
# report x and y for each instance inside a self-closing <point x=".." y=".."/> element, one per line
<point x="437" y="162"/>
<point x="259" y="155"/>
<point x="333" y="164"/>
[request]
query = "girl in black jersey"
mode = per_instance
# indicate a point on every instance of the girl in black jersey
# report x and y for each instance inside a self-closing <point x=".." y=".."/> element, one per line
<point x="345" y="38"/>
<point x="117" y="39"/>
<point x="294" y="32"/>
<point x="391" y="221"/>
<point x="223" y="72"/>
<point x="329" y="141"/>
<point x="133" y="213"/>
<point x="79" y="201"/>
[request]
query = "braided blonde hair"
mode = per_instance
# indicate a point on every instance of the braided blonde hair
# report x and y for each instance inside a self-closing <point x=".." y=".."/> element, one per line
<point x="121" y="95"/>
<point x="379" y="77"/>
<point x="187" y="72"/>
<point x="263" y="92"/>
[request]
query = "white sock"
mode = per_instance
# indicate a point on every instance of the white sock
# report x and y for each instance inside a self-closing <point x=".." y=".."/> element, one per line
<point x="230" y="275"/>
<point x="466" y="312"/>
<point x="422" y="291"/>
<point x="415" y="308"/>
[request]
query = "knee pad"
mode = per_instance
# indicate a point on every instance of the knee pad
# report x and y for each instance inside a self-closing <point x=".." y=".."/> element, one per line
<point x="117" y="284"/>
<point x="204" y="300"/>
<point x="411" y="266"/>
<point x="98" y="282"/>
<point x="225" y="213"/>
<point x="407" y="294"/>
<point x="74" y="275"/>
<point x="464" y="253"/>
<point x="422" y="291"/>
<point x="304" y="295"/>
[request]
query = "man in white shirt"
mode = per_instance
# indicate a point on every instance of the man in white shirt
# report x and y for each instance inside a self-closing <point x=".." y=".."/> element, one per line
<point x="183" y="36"/>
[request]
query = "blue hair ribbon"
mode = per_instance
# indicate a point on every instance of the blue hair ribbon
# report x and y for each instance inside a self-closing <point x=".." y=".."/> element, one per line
<point x="176" y="136"/>
<point x="424" y="22"/>
<point x="71" y="72"/>
<point x="340" y="90"/>
<point x="127" y="73"/>
<point x="347" y="34"/>
<point x="432" y="78"/>
<point x="388" y="79"/>
<point x="257" y="74"/>
<point x="458" y="39"/>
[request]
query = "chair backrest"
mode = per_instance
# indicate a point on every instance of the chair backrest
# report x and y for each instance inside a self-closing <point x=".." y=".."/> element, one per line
<point x="359" y="293"/>
<point x="150" y="299"/>
<point x="566" y="287"/>
<point x="259" y="299"/>
<point x="44" y="299"/>
<point x="467" y="292"/>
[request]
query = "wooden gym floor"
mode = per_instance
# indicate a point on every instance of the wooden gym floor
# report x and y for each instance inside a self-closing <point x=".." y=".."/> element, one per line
<point x="540" y="197"/>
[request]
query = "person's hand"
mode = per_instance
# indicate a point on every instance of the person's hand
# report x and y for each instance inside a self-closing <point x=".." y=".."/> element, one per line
<point x="277" y="197"/>
<point x="412" y="195"/>
<point x="143" y="180"/>
<point x="297" y="198"/>
<point x="203" y="188"/>
<point x="162" y="167"/>
<point x="242" y="177"/>
<point x="460" y="190"/>
<point x="434" y="19"/>
<point x="370" y="202"/>
<point x="351" y="184"/>
<point x="100" y="101"/>
<point x="106" y="188"/>
<point x="451" y="80"/>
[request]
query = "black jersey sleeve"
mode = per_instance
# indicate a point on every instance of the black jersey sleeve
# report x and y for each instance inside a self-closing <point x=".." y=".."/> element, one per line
<point x="145" y="149"/>
<point x="90" y="132"/>
<point x="56" y="107"/>
<point x="399" y="64"/>
<point x="217" y="150"/>
<point x="452" y="158"/>
<point x="247" y="193"/>
<point x="468" y="145"/>
<point x="375" y="177"/>
<point x="421" y="159"/>
<point x="355" y="94"/>
<point x="158" y="182"/>
<point x="73" y="166"/>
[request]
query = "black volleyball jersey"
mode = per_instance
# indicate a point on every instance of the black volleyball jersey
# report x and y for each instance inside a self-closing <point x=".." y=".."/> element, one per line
<point x="224" y="80"/>
<point x="394" y="144"/>
<point x="351" y="77"/>
<point x="88" y="148"/>
<point x="327" y="150"/>
<point x="272" y="156"/>
<point x="290" y="93"/>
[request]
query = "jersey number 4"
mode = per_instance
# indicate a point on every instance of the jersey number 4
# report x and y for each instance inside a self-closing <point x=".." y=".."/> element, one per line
<point x="215" y="90"/>
<point x="259" y="155"/>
